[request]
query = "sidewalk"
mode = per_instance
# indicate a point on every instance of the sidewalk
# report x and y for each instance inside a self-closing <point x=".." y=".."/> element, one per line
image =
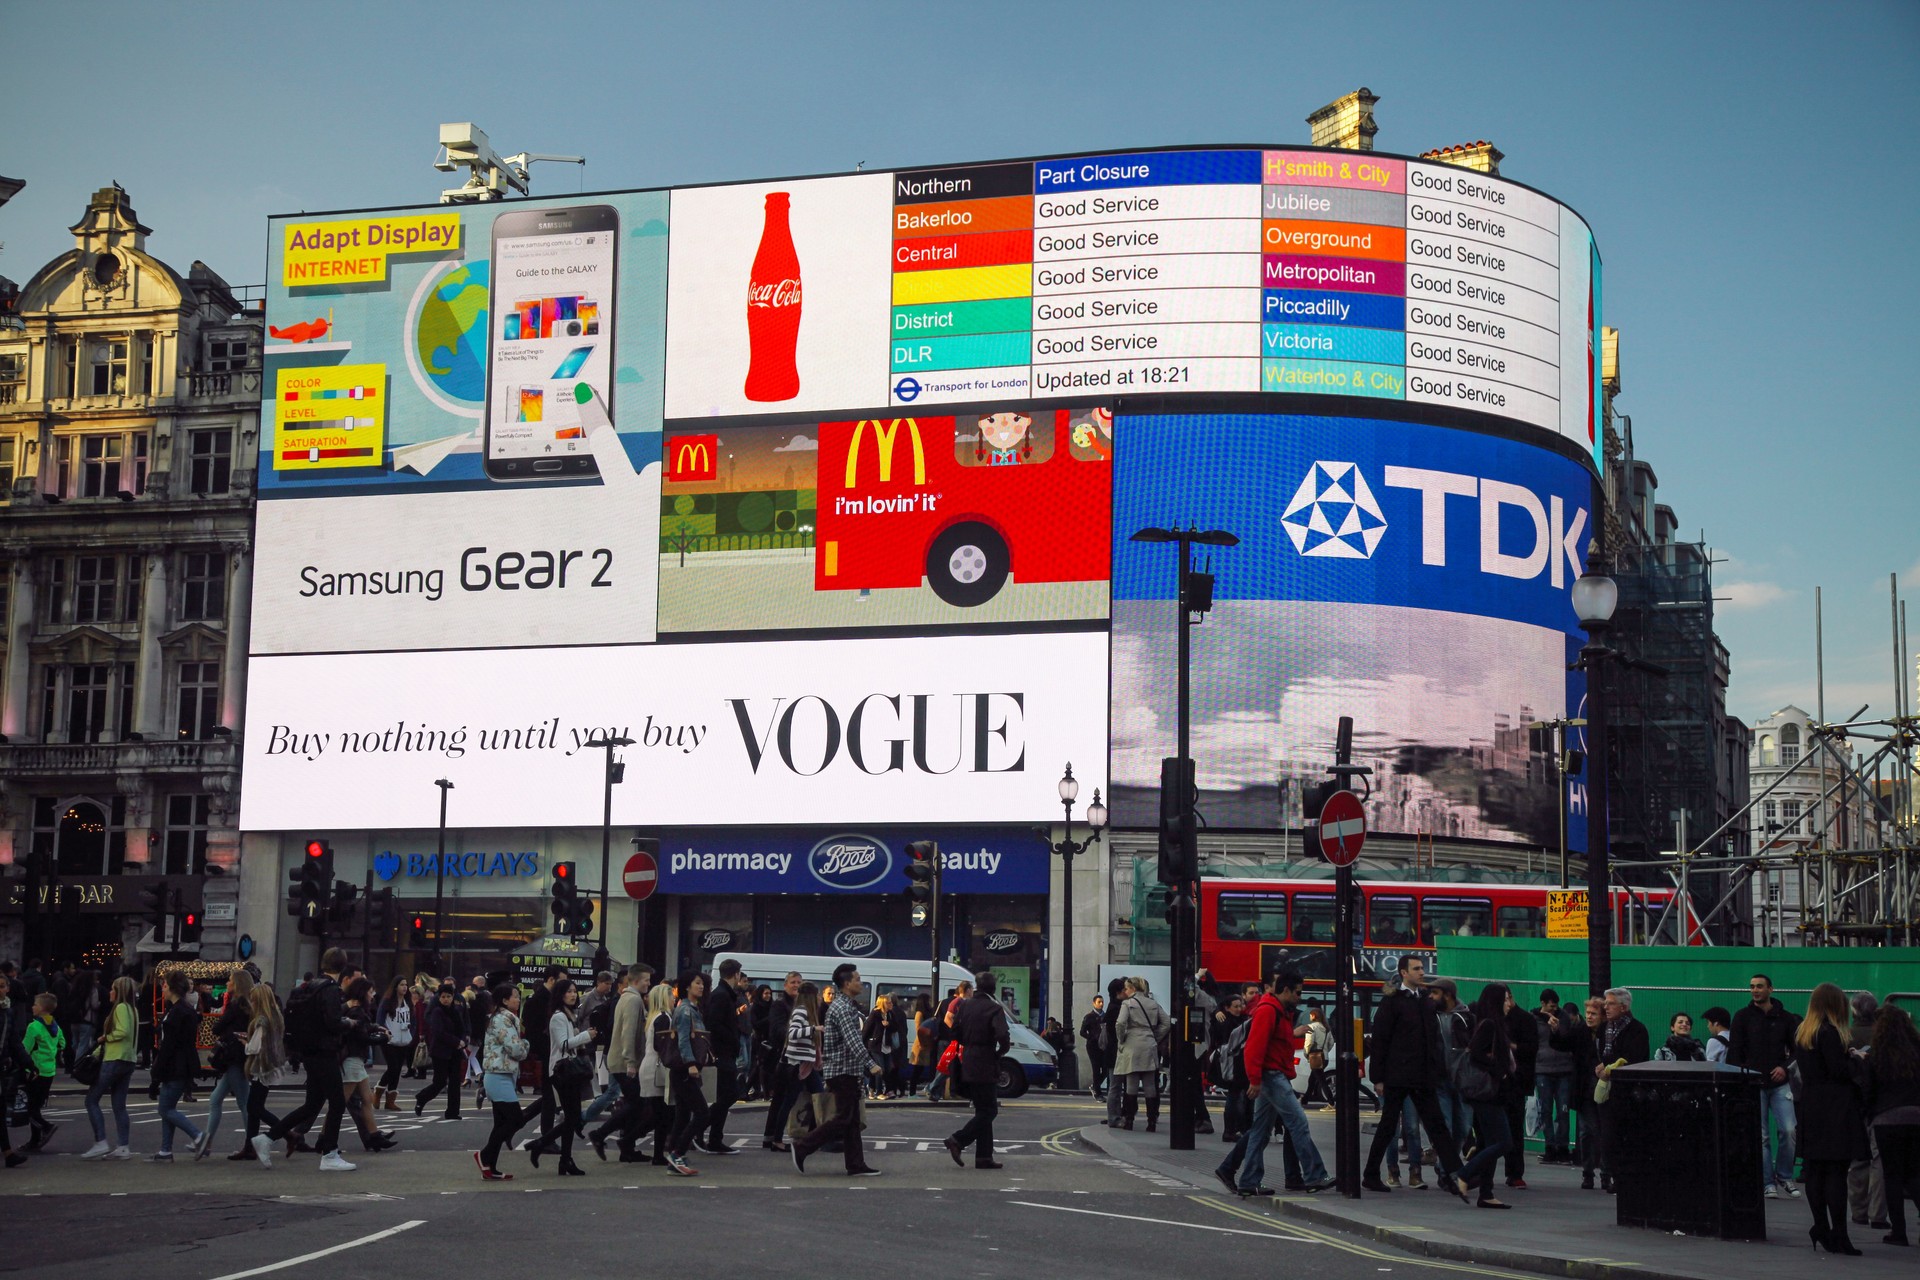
<point x="1554" y="1227"/>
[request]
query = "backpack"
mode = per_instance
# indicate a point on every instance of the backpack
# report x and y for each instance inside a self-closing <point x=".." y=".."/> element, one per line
<point x="1232" y="1067"/>
<point x="305" y="1034"/>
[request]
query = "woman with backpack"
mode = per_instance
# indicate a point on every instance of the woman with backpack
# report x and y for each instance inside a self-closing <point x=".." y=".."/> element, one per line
<point x="1479" y="1079"/>
<point x="1140" y="1031"/>
<point x="500" y="1056"/>
<point x="1680" y="1045"/>
<point x="684" y="1049"/>
<point x="396" y="1015"/>
<point x="229" y="1056"/>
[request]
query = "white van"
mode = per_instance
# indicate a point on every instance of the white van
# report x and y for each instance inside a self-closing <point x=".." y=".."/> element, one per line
<point x="1029" y="1061"/>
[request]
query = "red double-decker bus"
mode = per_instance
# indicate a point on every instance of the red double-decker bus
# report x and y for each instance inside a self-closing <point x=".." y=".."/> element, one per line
<point x="1251" y="927"/>
<point x="965" y="503"/>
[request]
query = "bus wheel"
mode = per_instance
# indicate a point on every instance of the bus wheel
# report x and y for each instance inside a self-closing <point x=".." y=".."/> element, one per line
<point x="967" y="565"/>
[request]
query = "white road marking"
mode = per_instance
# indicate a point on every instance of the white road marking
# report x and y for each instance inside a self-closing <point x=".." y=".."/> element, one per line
<point x="1166" y="1222"/>
<point x="321" y="1253"/>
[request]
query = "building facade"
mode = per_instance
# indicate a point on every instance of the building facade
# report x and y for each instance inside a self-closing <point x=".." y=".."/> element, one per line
<point x="129" y="424"/>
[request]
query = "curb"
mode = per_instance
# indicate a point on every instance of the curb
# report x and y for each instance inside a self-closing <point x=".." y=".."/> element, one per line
<point x="1419" y="1242"/>
<point x="1416" y="1241"/>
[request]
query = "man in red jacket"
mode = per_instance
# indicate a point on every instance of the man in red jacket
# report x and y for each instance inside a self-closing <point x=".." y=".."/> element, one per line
<point x="1271" y="1047"/>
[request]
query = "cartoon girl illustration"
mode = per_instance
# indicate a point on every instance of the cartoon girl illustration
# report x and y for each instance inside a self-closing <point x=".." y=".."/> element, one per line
<point x="1003" y="439"/>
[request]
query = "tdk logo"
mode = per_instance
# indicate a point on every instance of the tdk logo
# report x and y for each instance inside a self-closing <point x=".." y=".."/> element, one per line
<point x="1334" y="513"/>
<point x="849" y="862"/>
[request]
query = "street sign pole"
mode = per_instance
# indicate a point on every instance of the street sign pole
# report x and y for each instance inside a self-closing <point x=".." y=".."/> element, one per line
<point x="1342" y="827"/>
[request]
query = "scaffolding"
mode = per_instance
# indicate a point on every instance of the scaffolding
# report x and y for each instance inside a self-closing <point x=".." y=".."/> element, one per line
<point x="1858" y="877"/>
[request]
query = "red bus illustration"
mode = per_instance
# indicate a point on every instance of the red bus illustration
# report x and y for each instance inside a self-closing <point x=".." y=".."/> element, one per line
<point x="965" y="503"/>
<point x="1249" y="927"/>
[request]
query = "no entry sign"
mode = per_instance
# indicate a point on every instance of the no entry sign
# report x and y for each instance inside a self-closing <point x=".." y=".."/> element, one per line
<point x="1343" y="828"/>
<point x="640" y="877"/>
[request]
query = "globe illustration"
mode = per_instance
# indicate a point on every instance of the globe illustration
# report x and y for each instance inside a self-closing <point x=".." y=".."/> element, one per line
<point x="450" y="334"/>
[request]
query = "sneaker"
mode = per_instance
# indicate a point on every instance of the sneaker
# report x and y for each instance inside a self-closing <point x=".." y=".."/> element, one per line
<point x="1321" y="1185"/>
<point x="120" y="1153"/>
<point x="874" y="1173"/>
<point x="262" y="1149"/>
<point x="161" y="1157"/>
<point x="15" y="1159"/>
<point x="1393" y="1178"/>
<point x="97" y="1150"/>
<point x="1226" y="1180"/>
<point x="1249" y="1192"/>
<point x="334" y="1162"/>
<point x="1376" y="1186"/>
<point x="799" y="1160"/>
<point x="203" y="1145"/>
<point x="1518" y="1184"/>
<point x="1788" y="1190"/>
<point x="1414" y="1183"/>
<point x="678" y="1165"/>
<point x="42" y="1138"/>
<point x="713" y="1149"/>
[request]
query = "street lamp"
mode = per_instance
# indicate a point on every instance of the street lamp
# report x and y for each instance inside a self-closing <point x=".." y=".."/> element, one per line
<point x="1595" y="596"/>
<point x="1067" y="848"/>
<point x="1194" y="596"/>
<point x="616" y="772"/>
<point x="440" y="880"/>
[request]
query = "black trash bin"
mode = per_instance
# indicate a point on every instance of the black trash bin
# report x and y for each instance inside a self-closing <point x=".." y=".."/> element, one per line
<point x="1688" y="1149"/>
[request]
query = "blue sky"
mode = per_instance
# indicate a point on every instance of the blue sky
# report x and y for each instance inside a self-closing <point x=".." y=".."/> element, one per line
<point x="1747" y="169"/>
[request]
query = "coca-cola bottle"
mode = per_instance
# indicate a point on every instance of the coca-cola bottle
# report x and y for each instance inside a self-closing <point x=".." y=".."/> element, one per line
<point x="773" y="308"/>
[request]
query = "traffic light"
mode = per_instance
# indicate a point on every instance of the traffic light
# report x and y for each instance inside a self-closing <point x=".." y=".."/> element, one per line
<point x="1179" y="841"/>
<point x="572" y="915"/>
<point x="340" y="909"/>
<point x="417" y="933"/>
<point x="154" y="906"/>
<point x="186" y="919"/>
<point x="312" y="880"/>
<point x="923" y="879"/>
<point x="380" y="915"/>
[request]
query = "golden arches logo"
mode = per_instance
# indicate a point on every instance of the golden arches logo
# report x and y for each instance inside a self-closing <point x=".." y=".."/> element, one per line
<point x="884" y="435"/>
<point x="694" y="457"/>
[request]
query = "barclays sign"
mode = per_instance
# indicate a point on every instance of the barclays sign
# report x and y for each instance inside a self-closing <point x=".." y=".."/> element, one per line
<point x="843" y="863"/>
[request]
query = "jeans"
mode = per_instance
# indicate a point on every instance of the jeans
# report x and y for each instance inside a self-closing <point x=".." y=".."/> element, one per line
<point x="1777" y="1102"/>
<point x="114" y="1077"/>
<point x="232" y="1081"/>
<point x="1491" y="1119"/>
<point x="81" y="1041"/>
<point x="1453" y="1110"/>
<point x="1408" y="1131"/>
<point x="598" y="1107"/>
<point x="979" y="1130"/>
<point x="1555" y="1094"/>
<point x="783" y="1090"/>
<point x="1276" y="1100"/>
<point x="1395" y="1099"/>
<point x="171" y="1117"/>
<point x="691" y="1112"/>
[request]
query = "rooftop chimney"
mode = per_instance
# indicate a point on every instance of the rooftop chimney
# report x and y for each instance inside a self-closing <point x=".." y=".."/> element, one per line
<point x="1481" y="155"/>
<point x="1346" y="122"/>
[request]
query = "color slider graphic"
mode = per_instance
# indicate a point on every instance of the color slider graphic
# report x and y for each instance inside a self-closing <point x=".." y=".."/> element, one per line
<point x="329" y="418"/>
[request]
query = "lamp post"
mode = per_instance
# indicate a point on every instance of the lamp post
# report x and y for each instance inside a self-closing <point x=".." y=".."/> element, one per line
<point x="1595" y="596"/>
<point x="440" y="880"/>
<point x="1067" y="848"/>
<point x="1194" y="595"/>
<point x="616" y="772"/>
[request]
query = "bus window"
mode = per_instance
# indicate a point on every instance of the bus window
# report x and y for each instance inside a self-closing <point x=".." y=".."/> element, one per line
<point x="1523" y="922"/>
<point x="1455" y="917"/>
<point x="1252" y="917"/>
<point x="1390" y="921"/>
<point x="1313" y="918"/>
<point x="1005" y="439"/>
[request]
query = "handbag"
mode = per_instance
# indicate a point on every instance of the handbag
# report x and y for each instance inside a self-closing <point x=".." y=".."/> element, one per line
<point x="572" y="1071"/>
<point x="950" y="1058"/>
<point x="1474" y="1083"/>
<point x="86" y="1069"/>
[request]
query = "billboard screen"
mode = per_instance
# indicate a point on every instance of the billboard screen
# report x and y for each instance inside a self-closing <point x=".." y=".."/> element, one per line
<point x="1415" y="578"/>
<point x="541" y="466"/>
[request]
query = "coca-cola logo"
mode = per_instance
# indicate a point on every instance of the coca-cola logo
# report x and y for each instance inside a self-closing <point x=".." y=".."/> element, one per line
<point x="778" y="293"/>
<point x="716" y="939"/>
<point x="1006" y="940"/>
<point x="849" y="862"/>
<point x="854" y="940"/>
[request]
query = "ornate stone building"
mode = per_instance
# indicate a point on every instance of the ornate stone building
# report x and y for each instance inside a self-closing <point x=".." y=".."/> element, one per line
<point x="129" y="421"/>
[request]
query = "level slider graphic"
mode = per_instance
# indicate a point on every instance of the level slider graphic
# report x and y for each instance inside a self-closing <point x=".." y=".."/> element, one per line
<point x="325" y="418"/>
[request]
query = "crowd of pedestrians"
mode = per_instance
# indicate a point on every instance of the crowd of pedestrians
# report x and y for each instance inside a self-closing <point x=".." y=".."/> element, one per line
<point x="617" y="1066"/>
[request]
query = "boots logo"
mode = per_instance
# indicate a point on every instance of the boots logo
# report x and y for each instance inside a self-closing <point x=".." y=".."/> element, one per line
<point x="716" y="940"/>
<point x="1333" y="513"/>
<point x="856" y="941"/>
<point x="1005" y="940"/>
<point x="849" y="862"/>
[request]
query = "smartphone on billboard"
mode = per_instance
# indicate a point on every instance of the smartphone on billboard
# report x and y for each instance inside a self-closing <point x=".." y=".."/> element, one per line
<point x="551" y="332"/>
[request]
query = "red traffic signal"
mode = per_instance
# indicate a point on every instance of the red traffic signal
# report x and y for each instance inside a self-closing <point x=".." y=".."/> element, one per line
<point x="562" y="870"/>
<point x="316" y="848"/>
